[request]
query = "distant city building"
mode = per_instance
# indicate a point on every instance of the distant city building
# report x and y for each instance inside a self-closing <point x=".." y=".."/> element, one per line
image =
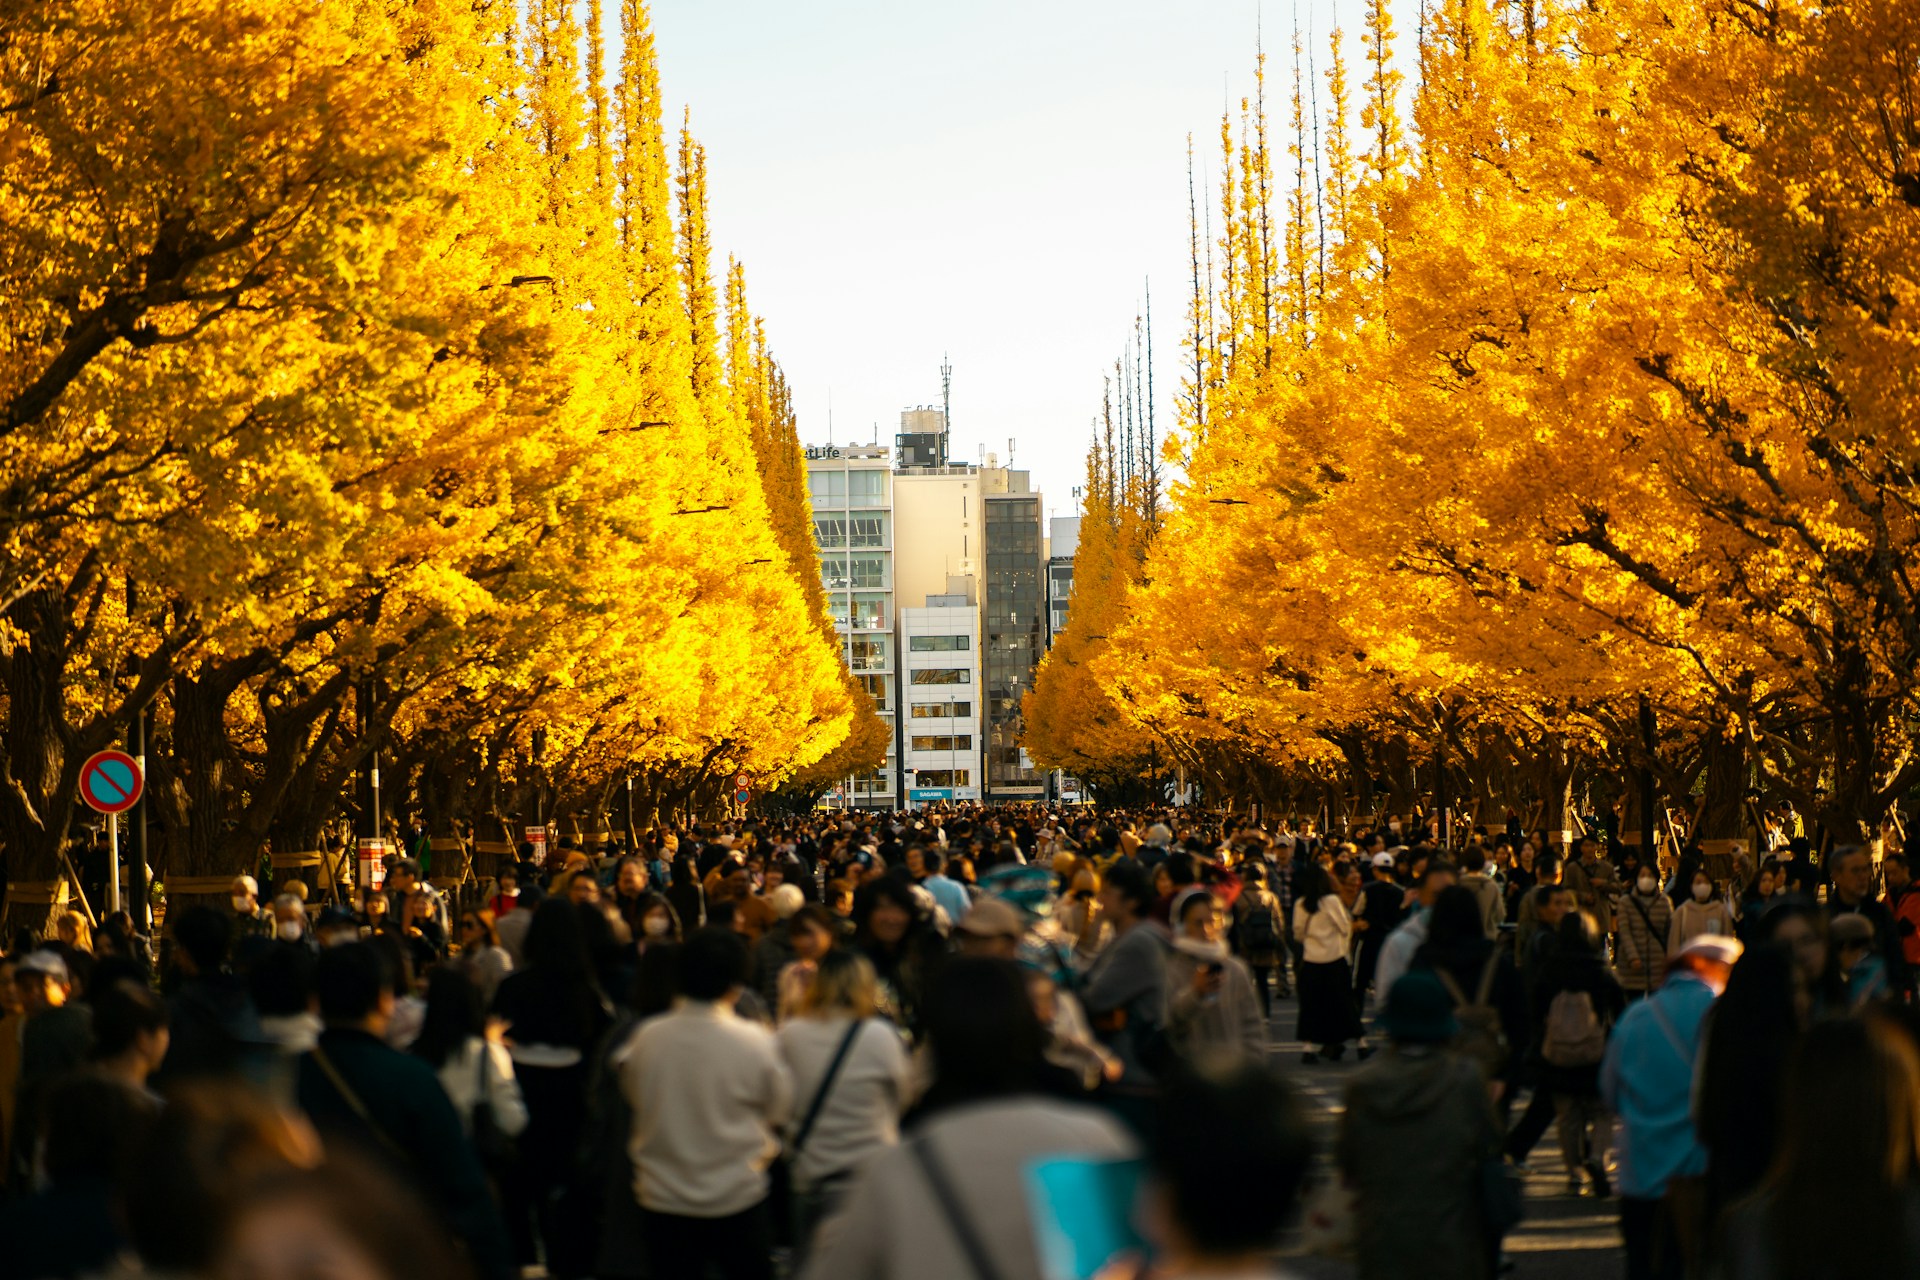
<point x="910" y="525"/>
<point x="1015" y="634"/>
<point x="1063" y="542"/>
<point x="940" y="668"/>
<point x="852" y="492"/>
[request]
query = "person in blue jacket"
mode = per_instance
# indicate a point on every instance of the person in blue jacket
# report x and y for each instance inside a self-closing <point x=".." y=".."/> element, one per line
<point x="1646" y="1080"/>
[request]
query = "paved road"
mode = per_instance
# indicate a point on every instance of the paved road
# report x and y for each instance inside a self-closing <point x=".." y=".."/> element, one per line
<point x="1563" y="1237"/>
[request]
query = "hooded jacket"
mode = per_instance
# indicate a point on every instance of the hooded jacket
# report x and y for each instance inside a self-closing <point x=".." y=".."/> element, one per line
<point x="1418" y="1125"/>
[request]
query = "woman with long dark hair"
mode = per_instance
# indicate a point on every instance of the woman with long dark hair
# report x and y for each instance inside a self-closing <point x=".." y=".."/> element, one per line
<point x="1751" y="1034"/>
<point x="468" y="1052"/>
<point x="1573" y="970"/>
<point x="685" y="893"/>
<point x="894" y="929"/>
<point x="1328" y="1015"/>
<point x="555" y="1015"/>
<point x="1843" y="1196"/>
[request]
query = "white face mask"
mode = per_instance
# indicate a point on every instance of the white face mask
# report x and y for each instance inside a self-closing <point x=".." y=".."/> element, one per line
<point x="656" y="926"/>
<point x="289" y="930"/>
<point x="243" y="905"/>
<point x="1702" y="892"/>
<point x="1648" y="884"/>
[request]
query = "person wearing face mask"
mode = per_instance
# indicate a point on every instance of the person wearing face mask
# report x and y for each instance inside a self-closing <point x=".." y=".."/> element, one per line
<point x="1701" y="914"/>
<point x="290" y="921"/>
<point x="250" y="919"/>
<point x="658" y="924"/>
<point x="1645" y="918"/>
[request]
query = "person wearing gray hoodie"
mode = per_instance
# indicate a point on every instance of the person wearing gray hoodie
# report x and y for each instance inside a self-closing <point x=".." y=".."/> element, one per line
<point x="1416" y="1134"/>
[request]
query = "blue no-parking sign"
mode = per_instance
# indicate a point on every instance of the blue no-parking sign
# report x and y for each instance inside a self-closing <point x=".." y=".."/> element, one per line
<point x="111" y="781"/>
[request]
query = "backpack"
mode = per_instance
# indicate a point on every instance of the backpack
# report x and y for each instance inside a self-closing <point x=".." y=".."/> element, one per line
<point x="1260" y="932"/>
<point x="1575" y="1035"/>
<point x="1481" y="1039"/>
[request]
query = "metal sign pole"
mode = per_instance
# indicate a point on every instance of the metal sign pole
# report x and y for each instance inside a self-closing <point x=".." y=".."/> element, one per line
<point x="113" y="862"/>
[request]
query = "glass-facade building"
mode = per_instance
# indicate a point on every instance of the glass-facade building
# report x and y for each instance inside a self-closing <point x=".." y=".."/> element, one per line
<point x="1015" y="635"/>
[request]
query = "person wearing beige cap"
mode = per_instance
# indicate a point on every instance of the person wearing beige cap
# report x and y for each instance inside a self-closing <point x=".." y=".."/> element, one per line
<point x="995" y="927"/>
<point x="991" y="927"/>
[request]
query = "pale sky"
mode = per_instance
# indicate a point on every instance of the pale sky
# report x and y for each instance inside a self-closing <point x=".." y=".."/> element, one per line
<point x="990" y="181"/>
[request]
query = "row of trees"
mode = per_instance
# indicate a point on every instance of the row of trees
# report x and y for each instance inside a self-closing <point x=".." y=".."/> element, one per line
<point x="365" y="388"/>
<point x="1565" y="432"/>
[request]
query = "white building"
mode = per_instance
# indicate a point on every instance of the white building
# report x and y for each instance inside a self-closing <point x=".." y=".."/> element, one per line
<point x="852" y="491"/>
<point x="940" y="668"/>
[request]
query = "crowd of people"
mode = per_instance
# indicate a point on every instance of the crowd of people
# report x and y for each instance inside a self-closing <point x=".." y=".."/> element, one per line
<point x="840" y="1047"/>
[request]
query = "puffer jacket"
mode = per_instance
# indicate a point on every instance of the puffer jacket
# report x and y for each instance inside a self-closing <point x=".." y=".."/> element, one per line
<point x="1645" y="920"/>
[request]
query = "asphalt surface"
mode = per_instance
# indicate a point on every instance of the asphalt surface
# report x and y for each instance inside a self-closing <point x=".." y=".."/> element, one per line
<point x="1563" y="1237"/>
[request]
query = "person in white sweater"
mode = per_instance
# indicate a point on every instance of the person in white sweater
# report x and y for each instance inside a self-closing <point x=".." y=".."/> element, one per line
<point x="709" y="1095"/>
<point x="851" y="1079"/>
<point x="1328" y="1016"/>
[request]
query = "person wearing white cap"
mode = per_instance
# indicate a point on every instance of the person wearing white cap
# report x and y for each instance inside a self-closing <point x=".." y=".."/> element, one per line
<point x="1646" y="1080"/>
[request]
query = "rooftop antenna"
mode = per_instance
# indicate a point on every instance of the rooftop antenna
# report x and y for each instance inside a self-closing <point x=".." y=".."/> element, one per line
<point x="946" y="405"/>
<point x="1009" y="451"/>
<point x="830" y="436"/>
<point x="876" y="434"/>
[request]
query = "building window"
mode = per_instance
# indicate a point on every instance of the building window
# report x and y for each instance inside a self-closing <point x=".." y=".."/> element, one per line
<point x="942" y="710"/>
<point x="827" y="488"/>
<point x="943" y="778"/>
<point x="830" y="531"/>
<point x="871" y="784"/>
<point x="941" y="742"/>
<point x="876" y="687"/>
<point x="869" y="572"/>
<point x="869" y="613"/>
<point x="866" y="488"/>
<point x="943" y="675"/>
<point x="867" y="653"/>
<point x="869" y="531"/>
<point x="940" y="644"/>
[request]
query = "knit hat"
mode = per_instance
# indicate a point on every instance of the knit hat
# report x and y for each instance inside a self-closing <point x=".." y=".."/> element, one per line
<point x="786" y="900"/>
<point x="1419" y="1011"/>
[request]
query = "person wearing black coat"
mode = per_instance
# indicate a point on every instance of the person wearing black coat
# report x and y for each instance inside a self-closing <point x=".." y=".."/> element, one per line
<point x="556" y="1014"/>
<point x="1576" y="964"/>
<point x="359" y="1090"/>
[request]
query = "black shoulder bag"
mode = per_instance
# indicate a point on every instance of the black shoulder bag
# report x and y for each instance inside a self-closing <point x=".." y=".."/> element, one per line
<point x="780" y="1173"/>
